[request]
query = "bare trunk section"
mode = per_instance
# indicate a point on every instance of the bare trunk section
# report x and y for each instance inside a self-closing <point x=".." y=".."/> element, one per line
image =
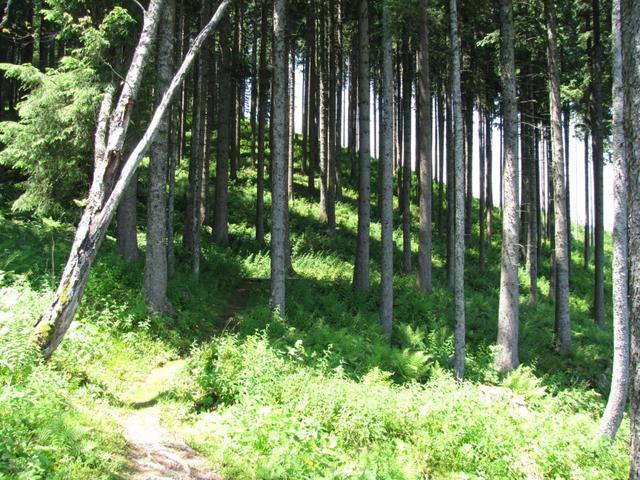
<point x="262" y="121"/>
<point x="508" y="315"/>
<point x="386" y="203"/>
<point x="126" y="224"/>
<point x="279" y="160"/>
<point x="107" y="189"/>
<point x="225" y="134"/>
<point x="423" y="280"/>
<point x="563" y="334"/>
<point x="407" y="91"/>
<point x="598" y="191"/>
<point x="361" y="280"/>
<point x="460" y="328"/>
<point x="614" y="411"/>
<point x="155" y="267"/>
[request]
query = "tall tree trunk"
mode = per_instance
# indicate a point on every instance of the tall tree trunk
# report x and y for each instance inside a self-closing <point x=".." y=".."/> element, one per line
<point x="155" y="267"/>
<point x="614" y="411"/>
<point x="563" y="337"/>
<point x="566" y="127"/>
<point x="586" y="254"/>
<point x="423" y="280"/>
<point x="107" y="188"/>
<point x="323" y="131"/>
<point x="253" y="121"/>
<point x="508" y="315"/>
<point x="263" y="96"/>
<point x="292" y="123"/>
<point x="441" y="157"/>
<point x="451" y="197"/>
<point x="460" y="329"/>
<point x="407" y="90"/>
<point x="468" y="199"/>
<point x="386" y="203"/>
<point x="482" y="199"/>
<point x="489" y="189"/>
<point x="630" y="15"/>
<point x="353" y="111"/>
<point x="361" y="280"/>
<point x="226" y="109"/>
<point x="597" y="136"/>
<point x="279" y="159"/>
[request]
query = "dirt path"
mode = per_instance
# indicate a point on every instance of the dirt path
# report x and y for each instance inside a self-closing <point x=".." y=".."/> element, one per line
<point x="154" y="453"/>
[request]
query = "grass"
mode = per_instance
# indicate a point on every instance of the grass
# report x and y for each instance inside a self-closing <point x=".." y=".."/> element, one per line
<point x="319" y="394"/>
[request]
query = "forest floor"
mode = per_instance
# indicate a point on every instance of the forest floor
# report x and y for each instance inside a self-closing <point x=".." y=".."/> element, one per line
<point x="226" y="389"/>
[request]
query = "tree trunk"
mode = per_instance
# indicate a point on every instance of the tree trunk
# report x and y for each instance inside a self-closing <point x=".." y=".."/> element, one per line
<point x="423" y="280"/>
<point x="597" y="137"/>
<point x="620" y="371"/>
<point x="361" y="280"/>
<point x="407" y="90"/>
<point x="441" y="158"/>
<point x="107" y="188"/>
<point x="155" y="267"/>
<point x="451" y="197"/>
<point x="460" y="329"/>
<point x="469" y="167"/>
<point x="262" y="121"/>
<point x="126" y="224"/>
<point x="386" y="203"/>
<point x="586" y="254"/>
<point x="279" y="159"/>
<point x="508" y="315"/>
<point x="225" y="129"/>
<point x="489" y="191"/>
<point x="292" y="125"/>
<point x="630" y="15"/>
<point x="563" y="335"/>
<point x="482" y="205"/>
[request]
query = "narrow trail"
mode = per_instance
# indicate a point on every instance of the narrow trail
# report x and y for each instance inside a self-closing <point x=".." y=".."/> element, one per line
<point x="154" y="452"/>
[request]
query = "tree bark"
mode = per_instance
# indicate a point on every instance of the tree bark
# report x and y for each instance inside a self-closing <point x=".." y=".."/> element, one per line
<point x="614" y="411"/>
<point x="407" y="90"/>
<point x="423" y="280"/>
<point x="460" y="329"/>
<point x="279" y="159"/>
<point x="508" y="311"/>
<point x="630" y="15"/>
<point x="155" y="267"/>
<point x="597" y="138"/>
<point x="361" y="279"/>
<point x="262" y="121"/>
<point x="225" y="133"/>
<point x="563" y="334"/>
<point x="107" y="188"/>
<point x="386" y="203"/>
<point x="126" y="224"/>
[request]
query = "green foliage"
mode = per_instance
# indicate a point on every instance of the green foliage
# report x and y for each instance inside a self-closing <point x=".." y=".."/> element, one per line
<point x="52" y="143"/>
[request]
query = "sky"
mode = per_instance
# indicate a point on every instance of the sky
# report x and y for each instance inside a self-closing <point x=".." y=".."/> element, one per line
<point x="576" y="162"/>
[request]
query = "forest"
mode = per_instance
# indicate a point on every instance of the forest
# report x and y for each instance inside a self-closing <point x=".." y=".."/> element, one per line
<point x="319" y="239"/>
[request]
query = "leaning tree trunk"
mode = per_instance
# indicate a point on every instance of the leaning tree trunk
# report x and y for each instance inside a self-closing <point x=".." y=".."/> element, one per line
<point x="155" y="266"/>
<point x="361" y="280"/>
<point x="563" y="334"/>
<point x="508" y="315"/>
<point x="386" y="203"/>
<point x="460" y="329"/>
<point x="279" y="159"/>
<point x="107" y="188"/>
<point x="423" y="279"/>
<point x="620" y="371"/>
